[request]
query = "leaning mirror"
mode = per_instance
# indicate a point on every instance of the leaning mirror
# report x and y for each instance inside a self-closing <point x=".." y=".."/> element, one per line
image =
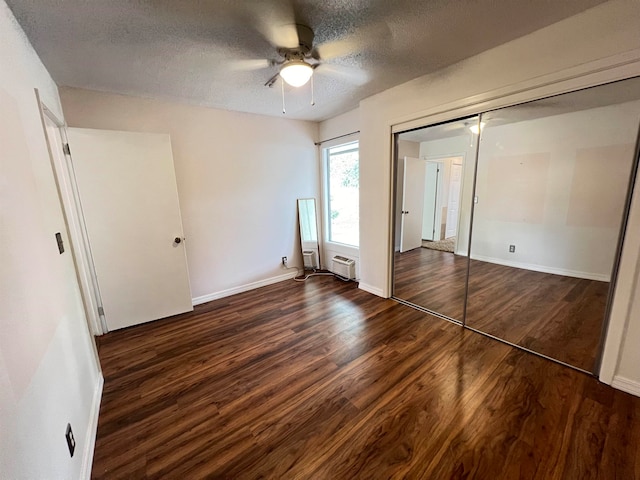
<point x="309" y="233"/>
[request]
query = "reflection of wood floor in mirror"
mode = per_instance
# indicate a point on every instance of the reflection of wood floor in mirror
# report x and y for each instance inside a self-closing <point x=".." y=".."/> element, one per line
<point x="558" y="316"/>
<point x="431" y="279"/>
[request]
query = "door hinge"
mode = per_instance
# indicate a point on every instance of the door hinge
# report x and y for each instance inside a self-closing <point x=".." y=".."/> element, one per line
<point x="101" y="311"/>
<point x="65" y="149"/>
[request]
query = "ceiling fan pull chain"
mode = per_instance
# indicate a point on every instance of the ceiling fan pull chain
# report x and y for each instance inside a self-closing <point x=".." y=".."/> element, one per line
<point x="313" y="102"/>
<point x="284" y="110"/>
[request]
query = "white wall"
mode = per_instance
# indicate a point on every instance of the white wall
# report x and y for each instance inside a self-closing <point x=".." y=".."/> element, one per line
<point x="344" y="124"/>
<point x="566" y="177"/>
<point x="48" y="370"/>
<point x="238" y="176"/>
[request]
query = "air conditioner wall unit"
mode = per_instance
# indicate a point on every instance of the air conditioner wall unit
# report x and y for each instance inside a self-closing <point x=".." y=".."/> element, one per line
<point x="344" y="267"/>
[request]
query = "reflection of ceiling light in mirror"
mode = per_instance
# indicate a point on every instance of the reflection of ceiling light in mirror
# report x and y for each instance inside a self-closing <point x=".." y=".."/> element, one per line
<point x="475" y="129"/>
<point x="296" y="72"/>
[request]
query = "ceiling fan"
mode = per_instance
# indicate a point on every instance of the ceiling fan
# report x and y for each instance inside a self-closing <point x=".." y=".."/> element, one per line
<point x="298" y="62"/>
<point x="298" y="57"/>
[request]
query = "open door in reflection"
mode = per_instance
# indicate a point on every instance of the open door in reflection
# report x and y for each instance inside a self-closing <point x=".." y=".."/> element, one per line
<point x="434" y="183"/>
<point x="552" y="183"/>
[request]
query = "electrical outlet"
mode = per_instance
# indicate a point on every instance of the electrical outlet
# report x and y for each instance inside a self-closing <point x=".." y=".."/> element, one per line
<point x="71" y="441"/>
<point x="284" y="261"/>
<point x="512" y="248"/>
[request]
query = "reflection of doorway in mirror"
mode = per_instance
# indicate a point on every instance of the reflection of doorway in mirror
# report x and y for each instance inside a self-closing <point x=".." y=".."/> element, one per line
<point x="453" y="204"/>
<point x="442" y="198"/>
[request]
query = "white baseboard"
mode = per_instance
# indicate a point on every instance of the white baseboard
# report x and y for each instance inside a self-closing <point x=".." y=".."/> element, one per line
<point x="544" y="269"/>
<point x="92" y="430"/>
<point x="374" y="290"/>
<point x="242" y="288"/>
<point x="626" y="385"/>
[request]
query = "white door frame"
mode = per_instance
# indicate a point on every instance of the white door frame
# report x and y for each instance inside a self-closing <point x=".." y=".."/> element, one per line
<point x="457" y="222"/>
<point x="62" y="166"/>
<point x="441" y="158"/>
<point x="435" y="228"/>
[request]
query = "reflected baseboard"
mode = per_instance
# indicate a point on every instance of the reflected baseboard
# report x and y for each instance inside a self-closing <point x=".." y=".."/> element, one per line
<point x="543" y="268"/>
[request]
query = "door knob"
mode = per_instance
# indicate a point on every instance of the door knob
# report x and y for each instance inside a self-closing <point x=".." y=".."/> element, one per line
<point x="177" y="240"/>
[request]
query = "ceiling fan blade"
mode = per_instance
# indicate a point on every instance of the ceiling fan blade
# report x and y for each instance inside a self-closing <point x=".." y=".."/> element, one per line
<point x="250" y="64"/>
<point x="281" y="35"/>
<point x="276" y="22"/>
<point x="360" y="40"/>
<point x="351" y="75"/>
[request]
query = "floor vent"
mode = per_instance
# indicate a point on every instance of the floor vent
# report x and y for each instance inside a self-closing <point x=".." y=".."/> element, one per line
<point x="344" y="267"/>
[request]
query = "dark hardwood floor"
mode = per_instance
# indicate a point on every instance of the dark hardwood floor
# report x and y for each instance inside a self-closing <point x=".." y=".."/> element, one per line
<point x="558" y="316"/>
<point x="431" y="279"/>
<point x="321" y="380"/>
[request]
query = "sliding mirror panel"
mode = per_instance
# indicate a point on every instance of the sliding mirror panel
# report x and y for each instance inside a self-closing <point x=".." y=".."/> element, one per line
<point x="434" y="191"/>
<point x="550" y="201"/>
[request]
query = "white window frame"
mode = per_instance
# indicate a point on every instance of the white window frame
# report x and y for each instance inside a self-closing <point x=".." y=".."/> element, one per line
<point x="349" y="251"/>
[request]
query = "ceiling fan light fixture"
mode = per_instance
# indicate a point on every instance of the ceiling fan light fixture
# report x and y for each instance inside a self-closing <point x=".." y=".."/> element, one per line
<point x="296" y="72"/>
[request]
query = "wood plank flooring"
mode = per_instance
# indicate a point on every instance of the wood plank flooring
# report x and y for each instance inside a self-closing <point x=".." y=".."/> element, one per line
<point x="321" y="380"/>
<point x="431" y="279"/>
<point x="558" y="316"/>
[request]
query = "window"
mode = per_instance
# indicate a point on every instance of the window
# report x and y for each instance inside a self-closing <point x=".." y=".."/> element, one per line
<point x="343" y="178"/>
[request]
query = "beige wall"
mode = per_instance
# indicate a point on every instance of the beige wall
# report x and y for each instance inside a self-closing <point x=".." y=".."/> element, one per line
<point x="238" y="176"/>
<point x="48" y="372"/>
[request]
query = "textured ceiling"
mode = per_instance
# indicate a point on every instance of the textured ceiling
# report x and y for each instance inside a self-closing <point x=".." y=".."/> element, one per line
<point x="200" y="52"/>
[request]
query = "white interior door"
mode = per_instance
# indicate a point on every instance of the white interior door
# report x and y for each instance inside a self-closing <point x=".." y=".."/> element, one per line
<point x="129" y="198"/>
<point x="430" y="219"/>
<point x="412" y="204"/>
<point x="453" y="205"/>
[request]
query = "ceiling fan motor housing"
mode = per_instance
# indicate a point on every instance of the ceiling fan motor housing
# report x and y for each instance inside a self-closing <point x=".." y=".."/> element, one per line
<point x="305" y="44"/>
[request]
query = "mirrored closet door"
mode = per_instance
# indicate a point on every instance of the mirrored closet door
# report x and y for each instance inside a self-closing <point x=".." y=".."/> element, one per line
<point x="551" y="191"/>
<point x="434" y="189"/>
<point x="543" y="196"/>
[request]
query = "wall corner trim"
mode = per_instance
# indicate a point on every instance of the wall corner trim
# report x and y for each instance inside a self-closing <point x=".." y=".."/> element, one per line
<point x="371" y="289"/>
<point x="626" y="385"/>
<point x="242" y="288"/>
<point x="92" y="430"/>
